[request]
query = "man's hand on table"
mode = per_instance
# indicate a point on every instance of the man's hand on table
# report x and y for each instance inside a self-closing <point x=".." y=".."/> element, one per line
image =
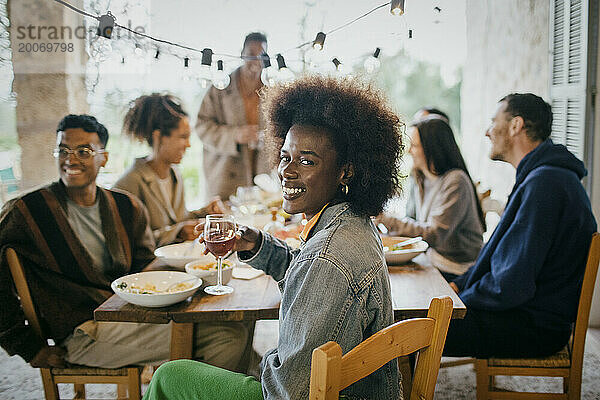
<point x="187" y="231"/>
<point x="454" y="287"/>
<point x="49" y="357"/>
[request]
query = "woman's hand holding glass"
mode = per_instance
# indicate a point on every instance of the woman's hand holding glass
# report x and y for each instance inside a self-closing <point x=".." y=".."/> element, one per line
<point x="246" y="238"/>
<point x="221" y="236"/>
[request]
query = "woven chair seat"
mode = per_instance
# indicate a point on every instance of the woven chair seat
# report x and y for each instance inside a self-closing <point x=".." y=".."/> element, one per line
<point x="83" y="370"/>
<point x="561" y="359"/>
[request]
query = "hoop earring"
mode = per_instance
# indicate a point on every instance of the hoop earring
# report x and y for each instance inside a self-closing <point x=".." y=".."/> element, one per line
<point x="345" y="189"/>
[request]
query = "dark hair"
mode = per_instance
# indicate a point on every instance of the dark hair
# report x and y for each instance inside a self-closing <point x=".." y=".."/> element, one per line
<point x="363" y="130"/>
<point x="254" y="37"/>
<point x="442" y="153"/>
<point x="435" y="111"/>
<point x="536" y="113"/>
<point x="85" y="122"/>
<point x="151" y="112"/>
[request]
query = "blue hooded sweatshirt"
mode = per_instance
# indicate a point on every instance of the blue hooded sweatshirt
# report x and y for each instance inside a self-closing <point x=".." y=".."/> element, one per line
<point x="535" y="259"/>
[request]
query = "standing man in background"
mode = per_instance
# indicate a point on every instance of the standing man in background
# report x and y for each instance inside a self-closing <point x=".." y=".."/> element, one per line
<point x="229" y="124"/>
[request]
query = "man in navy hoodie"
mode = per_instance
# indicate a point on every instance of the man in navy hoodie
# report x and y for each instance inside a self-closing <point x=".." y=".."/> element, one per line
<point x="522" y="292"/>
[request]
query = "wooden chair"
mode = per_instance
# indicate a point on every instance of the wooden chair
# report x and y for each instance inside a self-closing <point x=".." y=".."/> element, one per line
<point x="127" y="378"/>
<point x="330" y="372"/>
<point x="567" y="363"/>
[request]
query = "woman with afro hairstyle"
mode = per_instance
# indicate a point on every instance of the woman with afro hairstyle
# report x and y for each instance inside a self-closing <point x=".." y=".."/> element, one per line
<point x="337" y="143"/>
<point x="161" y="121"/>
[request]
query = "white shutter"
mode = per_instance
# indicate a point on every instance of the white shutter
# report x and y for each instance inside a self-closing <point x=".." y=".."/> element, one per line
<point x="573" y="49"/>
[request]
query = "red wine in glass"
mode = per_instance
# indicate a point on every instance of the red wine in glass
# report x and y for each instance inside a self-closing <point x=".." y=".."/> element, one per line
<point x="219" y="244"/>
<point x="219" y="236"/>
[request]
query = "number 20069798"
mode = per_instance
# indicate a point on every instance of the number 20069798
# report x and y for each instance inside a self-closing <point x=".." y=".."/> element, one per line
<point x="45" y="47"/>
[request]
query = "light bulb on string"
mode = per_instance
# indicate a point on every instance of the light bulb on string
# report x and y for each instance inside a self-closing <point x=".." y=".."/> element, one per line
<point x="100" y="46"/>
<point x="340" y="68"/>
<point x="319" y="41"/>
<point x="205" y="73"/>
<point x="268" y="75"/>
<point x="372" y="63"/>
<point x="220" y="78"/>
<point x="138" y="51"/>
<point x="187" y="74"/>
<point x="285" y="74"/>
<point x="397" y="7"/>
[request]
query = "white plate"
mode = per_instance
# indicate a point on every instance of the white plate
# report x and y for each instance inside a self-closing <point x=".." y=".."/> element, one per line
<point x="405" y="255"/>
<point x="161" y="280"/>
<point x="179" y="254"/>
<point x="209" y="277"/>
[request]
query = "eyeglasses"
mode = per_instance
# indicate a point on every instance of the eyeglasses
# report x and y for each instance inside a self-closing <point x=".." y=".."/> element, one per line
<point x="82" y="153"/>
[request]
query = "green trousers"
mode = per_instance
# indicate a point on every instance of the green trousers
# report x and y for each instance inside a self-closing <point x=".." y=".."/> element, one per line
<point x="187" y="380"/>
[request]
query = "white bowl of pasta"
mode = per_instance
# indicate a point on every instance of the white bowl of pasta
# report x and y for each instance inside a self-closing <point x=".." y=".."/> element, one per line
<point x="156" y="288"/>
<point x="206" y="268"/>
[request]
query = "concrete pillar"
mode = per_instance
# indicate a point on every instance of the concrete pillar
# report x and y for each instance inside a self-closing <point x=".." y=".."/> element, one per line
<point x="48" y="84"/>
<point x="507" y="51"/>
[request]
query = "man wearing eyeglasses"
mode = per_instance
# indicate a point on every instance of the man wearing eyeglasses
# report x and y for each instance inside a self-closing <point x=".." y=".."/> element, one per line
<point x="73" y="239"/>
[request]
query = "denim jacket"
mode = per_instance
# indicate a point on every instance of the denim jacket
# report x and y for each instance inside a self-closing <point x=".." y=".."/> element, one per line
<point x="335" y="287"/>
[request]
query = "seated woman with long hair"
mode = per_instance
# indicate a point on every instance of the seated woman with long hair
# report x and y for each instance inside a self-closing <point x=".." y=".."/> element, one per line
<point x="338" y="145"/>
<point x="161" y="121"/>
<point x="442" y="206"/>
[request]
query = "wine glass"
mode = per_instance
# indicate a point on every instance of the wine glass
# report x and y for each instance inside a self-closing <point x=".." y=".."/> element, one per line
<point x="219" y="237"/>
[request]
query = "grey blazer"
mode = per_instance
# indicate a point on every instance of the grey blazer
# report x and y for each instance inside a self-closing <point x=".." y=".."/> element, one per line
<point x="166" y="219"/>
<point x="227" y="164"/>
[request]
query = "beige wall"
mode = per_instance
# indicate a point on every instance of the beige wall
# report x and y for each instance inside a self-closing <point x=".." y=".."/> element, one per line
<point x="507" y="51"/>
<point x="47" y="85"/>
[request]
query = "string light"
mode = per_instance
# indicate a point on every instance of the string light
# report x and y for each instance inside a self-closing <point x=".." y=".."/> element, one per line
<point x="285" y="74"/>
<point x="340" y="68"/>
<point x="205" y="72"/>
<point x="187" y="73"/>
<point x="319" y="41"/>
<point x="397" y="7"/>
<point x="372" y="63"/>
<point x="220" y="79"/>
<point x="100" y="46"/>
<point x="268" y="75"/>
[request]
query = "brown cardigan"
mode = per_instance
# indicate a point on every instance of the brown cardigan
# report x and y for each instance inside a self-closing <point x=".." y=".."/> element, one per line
<point x="65" y="285"/>
<point x="227" y="164"/>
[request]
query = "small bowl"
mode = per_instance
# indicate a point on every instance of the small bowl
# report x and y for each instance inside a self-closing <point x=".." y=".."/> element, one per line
<point x="402" y="256"/>
<point x="179" y="254"/>
<point x="161" y="280"/>
<point x="209" y="276"/>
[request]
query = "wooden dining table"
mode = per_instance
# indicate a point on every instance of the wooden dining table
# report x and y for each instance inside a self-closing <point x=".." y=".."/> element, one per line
<point x="413" y="286"/>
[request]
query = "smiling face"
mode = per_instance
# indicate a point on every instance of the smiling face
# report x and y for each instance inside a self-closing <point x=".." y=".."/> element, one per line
<point x="172" y="148"/>
<point x="74" y="172"/>
<point x="498" y="133"/>
<point x="308" y="170"/>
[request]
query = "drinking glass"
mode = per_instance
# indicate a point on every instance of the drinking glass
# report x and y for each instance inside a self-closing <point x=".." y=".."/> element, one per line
<point x="219" y="237"/>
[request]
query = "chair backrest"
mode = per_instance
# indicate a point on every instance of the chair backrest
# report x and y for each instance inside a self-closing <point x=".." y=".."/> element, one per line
<point x="330" y="372"/>
<point x="18" y="275"/>
<point x="585" y="302"/>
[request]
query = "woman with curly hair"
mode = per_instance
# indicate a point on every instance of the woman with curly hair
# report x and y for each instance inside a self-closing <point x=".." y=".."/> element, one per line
<point x="338" y="144"/>
<point x="443" y="206"/>
<point x="161" y="121"/>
